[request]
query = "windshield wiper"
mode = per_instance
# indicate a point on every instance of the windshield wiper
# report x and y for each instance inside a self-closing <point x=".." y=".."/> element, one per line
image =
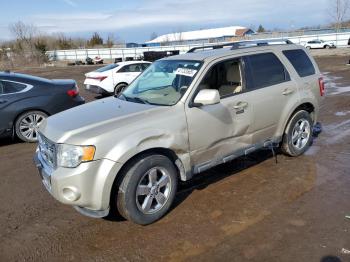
<point x="137" y="99"/>
<point x="134" y="99"/>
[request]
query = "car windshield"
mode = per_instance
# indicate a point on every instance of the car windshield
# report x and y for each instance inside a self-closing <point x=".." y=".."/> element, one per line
<point x="106" y="68"/>
<point x="163" y="83"/>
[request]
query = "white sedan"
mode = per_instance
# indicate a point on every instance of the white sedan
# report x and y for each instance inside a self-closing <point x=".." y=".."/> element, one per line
<point x="319" y="44"/>
<point x="113" y="78"/>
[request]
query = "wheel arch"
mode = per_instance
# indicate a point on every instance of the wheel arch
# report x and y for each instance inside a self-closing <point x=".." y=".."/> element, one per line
<point x="23" y="111"/>
<point x="169" y="153"/>
<point x="307" y="106"/>
<point x="127" y="164"/>
<point x="121" y="82"/>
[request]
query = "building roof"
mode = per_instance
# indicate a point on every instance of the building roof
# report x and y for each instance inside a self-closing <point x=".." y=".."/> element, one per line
<point x="200" y="34"/>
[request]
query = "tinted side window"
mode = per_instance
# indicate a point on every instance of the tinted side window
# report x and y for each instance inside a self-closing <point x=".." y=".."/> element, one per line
<point x="300" y="61"/>
<point x="144" y="66"/>
<point x="7" y="87"/>
<point x="131" y="68"/>
<point x="265" y="70"/>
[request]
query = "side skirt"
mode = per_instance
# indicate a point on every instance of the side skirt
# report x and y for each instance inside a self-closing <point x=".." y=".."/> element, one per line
<point x="271" y="143"/>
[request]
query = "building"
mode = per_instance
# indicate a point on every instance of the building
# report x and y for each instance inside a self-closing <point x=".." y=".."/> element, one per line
<point x="214" y="35"/>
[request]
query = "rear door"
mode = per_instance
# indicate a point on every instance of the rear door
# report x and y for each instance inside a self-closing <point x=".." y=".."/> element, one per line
<point x="10" y="91"/>
<point x="128" y="73"/>
<point x="271" y="87"/>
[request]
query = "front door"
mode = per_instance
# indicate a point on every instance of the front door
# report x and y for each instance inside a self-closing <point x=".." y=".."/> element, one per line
<point x="217" y="131"/>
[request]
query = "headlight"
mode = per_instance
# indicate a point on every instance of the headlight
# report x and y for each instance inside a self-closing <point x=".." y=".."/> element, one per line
<point x="72" y="156"/>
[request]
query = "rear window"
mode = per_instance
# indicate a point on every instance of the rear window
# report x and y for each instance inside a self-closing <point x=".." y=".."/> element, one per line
<point x="266" y="70"/>
<point x="106" y="68"/>
<point x="300" y="61"/>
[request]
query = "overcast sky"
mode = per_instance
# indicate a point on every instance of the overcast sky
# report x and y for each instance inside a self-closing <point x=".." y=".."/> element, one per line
<point x="135" y="20"/>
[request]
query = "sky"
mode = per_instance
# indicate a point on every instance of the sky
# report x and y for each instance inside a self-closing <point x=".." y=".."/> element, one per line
<point x="136" y="20"/>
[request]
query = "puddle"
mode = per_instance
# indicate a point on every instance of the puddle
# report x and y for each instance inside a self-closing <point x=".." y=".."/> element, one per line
<point x="333" y="88"/>
<point x="337" y="132"/>
<point x="342" y="113"/>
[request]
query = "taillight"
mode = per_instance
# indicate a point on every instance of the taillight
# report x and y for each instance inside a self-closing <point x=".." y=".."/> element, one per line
<point x="100" y="78"/>
<point x="321" y="85"/>
<point x="73" y="92"/>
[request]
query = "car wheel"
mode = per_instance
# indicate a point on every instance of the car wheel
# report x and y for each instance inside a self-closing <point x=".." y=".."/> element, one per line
<point x="119" y="88"/>
<point x="327" y="47"/>
<point x="147" y="189"/>
<point x="298" y="135"/>
<point x="27" y="125"/>
<point x="308" y="47"/>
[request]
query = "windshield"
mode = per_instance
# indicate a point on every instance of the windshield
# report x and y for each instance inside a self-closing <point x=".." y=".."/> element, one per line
<point x="163" y="83"/>
<point x="106" y="68"/>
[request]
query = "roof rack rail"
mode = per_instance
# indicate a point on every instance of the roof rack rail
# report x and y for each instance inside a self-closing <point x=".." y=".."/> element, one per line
<point x="193" y="49"/>
<point x="243" y="44"/>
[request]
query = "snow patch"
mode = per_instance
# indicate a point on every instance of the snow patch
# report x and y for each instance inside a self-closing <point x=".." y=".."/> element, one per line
<point x="333" y="88"/>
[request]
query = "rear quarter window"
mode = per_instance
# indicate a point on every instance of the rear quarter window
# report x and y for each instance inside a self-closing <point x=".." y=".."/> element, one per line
<point x="300" y="61"/>
<point x="8" y="87"/>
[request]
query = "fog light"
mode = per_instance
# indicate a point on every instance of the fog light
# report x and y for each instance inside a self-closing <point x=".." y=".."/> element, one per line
<point x="71" y="193"/>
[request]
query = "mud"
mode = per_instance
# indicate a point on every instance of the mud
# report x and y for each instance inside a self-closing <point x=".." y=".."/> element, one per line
<point x="251" y="209"/>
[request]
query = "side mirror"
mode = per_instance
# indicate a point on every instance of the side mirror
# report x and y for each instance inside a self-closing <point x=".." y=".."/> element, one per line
<point x="207" y="97"/>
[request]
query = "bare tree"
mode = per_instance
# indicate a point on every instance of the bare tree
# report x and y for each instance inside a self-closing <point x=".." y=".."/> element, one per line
<point x="110" y="40"/>
<point x="338" y="12"/>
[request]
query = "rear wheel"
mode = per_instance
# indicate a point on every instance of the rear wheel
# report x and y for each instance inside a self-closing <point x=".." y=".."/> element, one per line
<point x="27" y="125"/>
<point x="327" y="46"/>
<point x="119" y="88"/>
<point x="147" y="189"/>
<point x="308" y="47"/>
<point x="298" y="136"/>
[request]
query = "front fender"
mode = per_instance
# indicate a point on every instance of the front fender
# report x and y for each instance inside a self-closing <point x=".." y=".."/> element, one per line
<point x="138" y="142"/>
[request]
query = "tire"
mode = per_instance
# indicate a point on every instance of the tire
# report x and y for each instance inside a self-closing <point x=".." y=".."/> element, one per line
<point x="327" y="46"/>
<point x="27" y="124"/>
<point x="308" y="47"/>
<point x="298" y="134"/>
<point x="119" y="88"/>
<point x="147" y="189"/>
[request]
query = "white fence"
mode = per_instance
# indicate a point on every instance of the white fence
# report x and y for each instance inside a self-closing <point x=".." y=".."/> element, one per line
<point x="340" y="40"/>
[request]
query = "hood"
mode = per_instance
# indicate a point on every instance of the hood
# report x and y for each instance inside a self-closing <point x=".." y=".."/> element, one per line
<point x="94" y="118"/>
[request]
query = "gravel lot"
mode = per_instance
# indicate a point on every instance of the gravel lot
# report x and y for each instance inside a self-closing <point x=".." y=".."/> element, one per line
<point x="250" y="209"/>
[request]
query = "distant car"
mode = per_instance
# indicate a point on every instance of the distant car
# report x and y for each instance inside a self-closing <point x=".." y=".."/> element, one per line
<point x="113" y="78"/>
<point x="319" y="44"/>
<point x="25" y="101"/>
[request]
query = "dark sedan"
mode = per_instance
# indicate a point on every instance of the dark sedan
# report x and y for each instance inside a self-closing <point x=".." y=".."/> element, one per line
<point x="25" y="101"/>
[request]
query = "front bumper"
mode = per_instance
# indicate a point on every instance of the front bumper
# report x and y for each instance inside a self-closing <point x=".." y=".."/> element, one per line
<point x="86" y="187"/>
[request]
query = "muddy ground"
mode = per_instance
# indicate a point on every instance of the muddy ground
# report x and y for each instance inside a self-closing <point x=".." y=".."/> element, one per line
<point x="251" y="209"/>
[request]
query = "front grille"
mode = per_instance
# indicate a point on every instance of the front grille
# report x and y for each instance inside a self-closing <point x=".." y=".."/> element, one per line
<point x="47" y="150"/>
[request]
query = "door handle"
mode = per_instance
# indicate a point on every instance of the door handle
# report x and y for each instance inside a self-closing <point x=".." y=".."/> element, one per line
<point x="287" y="91"/>
<point x="240" y="105"/>
<point x="2" y="101"/>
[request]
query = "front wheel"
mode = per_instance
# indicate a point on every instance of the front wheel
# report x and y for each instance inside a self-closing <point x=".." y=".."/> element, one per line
<point x="298" y="135"/>
<point x="147" y="189"/>
<point x="27" y="125"/>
